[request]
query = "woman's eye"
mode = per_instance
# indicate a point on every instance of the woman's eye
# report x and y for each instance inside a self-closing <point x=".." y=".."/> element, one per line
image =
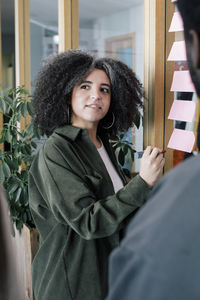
<point x="85" y="87"/>
<point x="105" y="90"/>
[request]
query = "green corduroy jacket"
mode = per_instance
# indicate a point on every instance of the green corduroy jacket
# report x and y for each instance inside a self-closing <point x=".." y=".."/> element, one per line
<point x="78" y="216"/>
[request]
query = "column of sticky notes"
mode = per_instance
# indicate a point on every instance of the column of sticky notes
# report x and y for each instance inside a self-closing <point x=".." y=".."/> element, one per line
<point x="181" y="110"/>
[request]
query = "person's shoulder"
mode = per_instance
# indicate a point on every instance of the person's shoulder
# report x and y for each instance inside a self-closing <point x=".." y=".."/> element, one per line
<point x="50" y="148"/>
<point x="193" y="163"/>
<point x="180" y="178"/>
<point x="67" y="132"/>
<point x="62" y="136"/>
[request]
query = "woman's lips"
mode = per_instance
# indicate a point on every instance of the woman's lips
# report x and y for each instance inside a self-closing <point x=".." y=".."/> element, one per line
<point x="94" y="106"/>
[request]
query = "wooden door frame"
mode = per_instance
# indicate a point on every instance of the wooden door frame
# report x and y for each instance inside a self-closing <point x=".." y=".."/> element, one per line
<point x="129" y="38"/>
<point x="68" y="24"/>
<point x="158" y="42"/>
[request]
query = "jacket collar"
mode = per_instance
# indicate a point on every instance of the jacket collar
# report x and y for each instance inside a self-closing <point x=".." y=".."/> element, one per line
<point x="70" y="131"/>
<point x="73" y="132"/>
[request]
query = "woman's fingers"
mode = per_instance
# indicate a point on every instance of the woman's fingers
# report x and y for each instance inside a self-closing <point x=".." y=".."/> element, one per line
<point x="147" y="151"/>
<point x="155" y="152"/>
<point x="151" y="165"/>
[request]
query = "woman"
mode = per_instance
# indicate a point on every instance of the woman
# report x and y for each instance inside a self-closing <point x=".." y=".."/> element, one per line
<point x="77" y="194"/>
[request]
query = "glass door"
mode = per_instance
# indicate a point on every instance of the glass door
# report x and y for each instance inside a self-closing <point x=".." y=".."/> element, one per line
<point x="116" y="29"/>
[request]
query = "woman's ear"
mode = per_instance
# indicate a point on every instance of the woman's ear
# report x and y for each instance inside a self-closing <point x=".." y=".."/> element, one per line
<point x="194" y="48"/>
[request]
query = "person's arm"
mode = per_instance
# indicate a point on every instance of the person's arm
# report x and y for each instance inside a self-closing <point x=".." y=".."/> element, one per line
<point x="72" y="200"/>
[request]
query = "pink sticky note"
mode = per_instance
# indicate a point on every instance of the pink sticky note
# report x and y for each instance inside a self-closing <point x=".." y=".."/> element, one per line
<point x="182" y="110"/>
<point x="182" y="140"/>
<point x="182" y="82"/>
<point x="177" y="23"/>
<point x="178" y="52"/>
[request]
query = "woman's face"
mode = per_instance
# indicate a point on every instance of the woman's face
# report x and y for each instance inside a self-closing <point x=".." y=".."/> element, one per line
<point x="91" y="100"/>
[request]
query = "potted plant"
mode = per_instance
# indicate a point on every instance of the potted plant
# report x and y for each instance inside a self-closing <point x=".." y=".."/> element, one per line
<point x="124" y="150"/>
<point x="17" y="156"/>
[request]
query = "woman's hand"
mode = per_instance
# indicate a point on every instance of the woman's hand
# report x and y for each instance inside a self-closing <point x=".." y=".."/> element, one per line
<point x="151" y="165"/>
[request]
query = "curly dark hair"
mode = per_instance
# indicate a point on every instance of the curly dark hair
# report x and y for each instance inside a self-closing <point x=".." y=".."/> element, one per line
<point x="60" y="74"/>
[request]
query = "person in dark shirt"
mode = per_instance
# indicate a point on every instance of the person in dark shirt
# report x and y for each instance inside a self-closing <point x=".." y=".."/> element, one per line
<point x="159" y="258"/>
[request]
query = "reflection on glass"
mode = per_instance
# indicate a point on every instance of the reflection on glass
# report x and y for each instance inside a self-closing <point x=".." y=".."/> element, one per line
<point x="116" y="29"/>
<point x="43" y="33"/>
<point x="8" y="44"/>
<point x="43" y="36"/>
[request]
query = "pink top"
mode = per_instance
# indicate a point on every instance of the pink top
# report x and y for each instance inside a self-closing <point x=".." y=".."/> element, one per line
<point x="116" y="180"/>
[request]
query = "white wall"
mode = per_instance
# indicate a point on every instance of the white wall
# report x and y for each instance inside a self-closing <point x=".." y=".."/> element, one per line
<point x="93" y="35"/>
<point x="120" y="23"/>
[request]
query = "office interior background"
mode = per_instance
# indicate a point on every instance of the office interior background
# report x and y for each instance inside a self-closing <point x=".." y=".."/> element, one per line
<point x="134" y="31"/>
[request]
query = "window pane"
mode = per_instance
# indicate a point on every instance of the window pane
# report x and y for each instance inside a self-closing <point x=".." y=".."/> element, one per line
<point x="8" y="43"/>
<point x="115" y="28"/>
<point x="43" y="32"/>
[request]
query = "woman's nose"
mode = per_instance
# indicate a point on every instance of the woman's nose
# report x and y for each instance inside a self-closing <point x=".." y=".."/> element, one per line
<point x="95" y="98"/>
<point x="95" y="95"/>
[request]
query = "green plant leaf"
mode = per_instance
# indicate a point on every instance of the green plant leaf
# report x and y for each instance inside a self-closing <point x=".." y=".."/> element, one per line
<point x="29" y="129"/>
<point x="15" y="162"/>
<point x="24" y="217"/>
<point x="137" y="120"/>
<point x="19" y="224"/>
<point x="8" y="135"/>
<point x="23" y="109"/>
<point x="33" y="144"/>
<point x="126" y="172"/>
<point x="16" y="150"/>
<point x="6" y="169"/>
<point x="18" y="108"/>
<point x="125" y="149"/>
<point x="28" y="148"/>
<point x="8" y="100"/>
<point x="3" y="106"/>
<point x="30" y="108"/>
<point x="13" y="187"/>
<point x="121" y="157"/>
<point x="11" y="163"/>
<point x="2" y="176"/>
<point x="18" y="193"/>
<point x="25" y="191"/>
<point x="37" y="132"/>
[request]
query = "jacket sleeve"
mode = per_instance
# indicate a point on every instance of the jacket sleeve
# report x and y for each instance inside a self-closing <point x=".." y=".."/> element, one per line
<point x="73" y="202"/>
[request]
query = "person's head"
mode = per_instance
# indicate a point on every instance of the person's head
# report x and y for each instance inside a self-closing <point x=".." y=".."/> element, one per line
<point x="190" y="12"/>
<point x="63" y="74"/>
<point x="91" y="100"/>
